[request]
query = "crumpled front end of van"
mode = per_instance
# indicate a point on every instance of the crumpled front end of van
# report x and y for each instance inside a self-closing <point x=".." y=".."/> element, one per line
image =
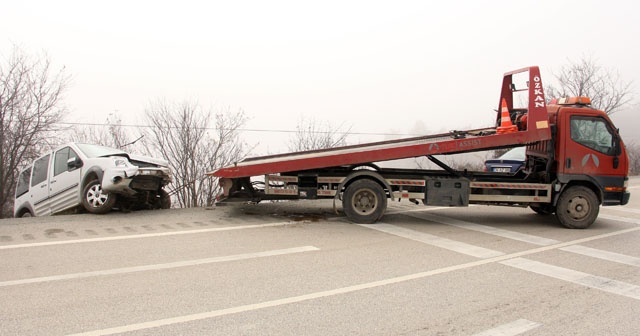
<point x="124" y="177"/>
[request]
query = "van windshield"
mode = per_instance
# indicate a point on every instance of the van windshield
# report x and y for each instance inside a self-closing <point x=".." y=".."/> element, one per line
<point x="94" y="151"/>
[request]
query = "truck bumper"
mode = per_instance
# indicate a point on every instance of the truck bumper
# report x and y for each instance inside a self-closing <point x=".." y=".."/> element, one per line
<point x="618" y="198"/>
<point x="625" y="198"/>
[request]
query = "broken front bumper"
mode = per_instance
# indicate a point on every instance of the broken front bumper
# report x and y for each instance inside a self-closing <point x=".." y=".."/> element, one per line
<point x="132" y="179"/>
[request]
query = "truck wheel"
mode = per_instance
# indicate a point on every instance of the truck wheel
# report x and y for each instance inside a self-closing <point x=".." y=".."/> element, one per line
<point x="364" y="201"/>
<point x="165" y="200"/>
<point x="544" y="210"/>
<point x="94" y="200"/>
<point x="577" y="207"/>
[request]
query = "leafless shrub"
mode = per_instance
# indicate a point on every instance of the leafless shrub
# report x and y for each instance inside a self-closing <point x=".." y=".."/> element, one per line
<point x="181" y="133"/>
<point x="311" y="134"/>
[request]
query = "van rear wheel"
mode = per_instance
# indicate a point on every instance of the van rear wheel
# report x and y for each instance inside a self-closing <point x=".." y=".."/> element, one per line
<point x="95" y="200"/>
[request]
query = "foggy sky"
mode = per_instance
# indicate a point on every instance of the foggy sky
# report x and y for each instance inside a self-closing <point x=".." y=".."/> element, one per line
<point x="379" y="66"/>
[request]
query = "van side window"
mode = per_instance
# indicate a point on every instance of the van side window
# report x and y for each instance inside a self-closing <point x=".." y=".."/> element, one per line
<point x="23" y="182"/>
<point x="61" y="158"/>
<point x="593" y="133"/>
<point x="40" y="168"/>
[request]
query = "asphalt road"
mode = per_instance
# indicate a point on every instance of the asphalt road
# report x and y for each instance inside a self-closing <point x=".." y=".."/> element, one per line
<point x="298" y="269"/>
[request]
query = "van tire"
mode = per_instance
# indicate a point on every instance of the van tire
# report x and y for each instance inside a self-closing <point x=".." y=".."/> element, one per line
<point x="94" y="200"/>
<point x="165" y="200"/>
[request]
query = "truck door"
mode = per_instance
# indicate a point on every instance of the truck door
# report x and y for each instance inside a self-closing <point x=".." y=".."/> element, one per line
<point x="64" y="183"/>
<point x="40" y="186"/>
<point x="589" y="147"/>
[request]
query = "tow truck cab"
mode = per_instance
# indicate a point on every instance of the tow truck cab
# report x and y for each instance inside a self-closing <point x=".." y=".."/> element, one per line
<point x="585" y="149"/>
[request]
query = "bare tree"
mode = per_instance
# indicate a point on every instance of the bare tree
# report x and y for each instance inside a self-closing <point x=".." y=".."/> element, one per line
<point x="608" y="92"/>
<point x="182" y="134"/>
<point x="111" y="134"/>
<point x="31" y="95"/>
<point x="311" y="134"/>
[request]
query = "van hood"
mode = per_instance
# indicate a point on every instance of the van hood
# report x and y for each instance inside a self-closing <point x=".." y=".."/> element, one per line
<point x="148" y="159"/>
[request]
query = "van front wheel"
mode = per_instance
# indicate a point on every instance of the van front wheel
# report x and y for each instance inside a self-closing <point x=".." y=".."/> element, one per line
<point x="95" y="200"/>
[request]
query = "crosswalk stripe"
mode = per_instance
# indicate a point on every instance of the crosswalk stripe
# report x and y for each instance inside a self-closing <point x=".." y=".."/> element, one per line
<point x="604" y="255"/>
<point x="426" y="238"/>
<point x="527" y="238"/>
<point x="577" y="277"/>
<point x="516" y="327"/>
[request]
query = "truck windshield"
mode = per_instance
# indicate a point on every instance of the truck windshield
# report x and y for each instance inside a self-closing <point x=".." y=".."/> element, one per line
<point x="94" y="151"/>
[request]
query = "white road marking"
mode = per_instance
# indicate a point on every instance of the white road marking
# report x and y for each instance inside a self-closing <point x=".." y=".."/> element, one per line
<point x="516" y="327"/>
<point x="139" y="236"/>
<point x="527" y="238"/>
<point x="624" y="208"/>
<point x="620" y="219"/>
<point x="580" y="278"/>
<point x="419" y="208"/>
<point x="452" y="245"/>
<point x="159" y="266"/>
<point x="343" y="290"/>
<point x="604" y="255"/>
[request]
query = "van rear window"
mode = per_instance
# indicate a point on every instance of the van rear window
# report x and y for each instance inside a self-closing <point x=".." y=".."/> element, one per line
<point x="23" y="182"/>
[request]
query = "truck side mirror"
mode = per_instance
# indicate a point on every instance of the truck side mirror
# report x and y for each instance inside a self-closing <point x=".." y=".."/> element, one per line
<point x="617" y="150"/>
<point x="74" y="163"/>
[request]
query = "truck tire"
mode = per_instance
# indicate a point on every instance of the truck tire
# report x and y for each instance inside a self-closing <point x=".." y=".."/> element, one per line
<point x="94" y="200"/>
<point x="364" y="201"/>
<point x="577" y="207"/>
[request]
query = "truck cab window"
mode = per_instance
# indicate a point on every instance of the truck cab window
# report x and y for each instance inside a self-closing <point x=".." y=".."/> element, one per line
<point x="593" y="133"/>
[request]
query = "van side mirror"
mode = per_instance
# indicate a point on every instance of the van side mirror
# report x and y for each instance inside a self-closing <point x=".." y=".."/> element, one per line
<point x="74" y="163"/>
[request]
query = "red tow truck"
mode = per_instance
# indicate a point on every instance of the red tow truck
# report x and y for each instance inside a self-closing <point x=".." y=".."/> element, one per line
<point x="575" y="162"/>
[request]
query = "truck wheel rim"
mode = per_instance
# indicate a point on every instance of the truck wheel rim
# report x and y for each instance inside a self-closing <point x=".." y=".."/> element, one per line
<point x="364" y="201"/>
<point x="95" y="197"/>
<point x="578" y="208"/>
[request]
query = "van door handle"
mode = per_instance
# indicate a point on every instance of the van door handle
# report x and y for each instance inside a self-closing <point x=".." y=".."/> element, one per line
<point x="54" y="181"/>
<point x="43" y="186"/>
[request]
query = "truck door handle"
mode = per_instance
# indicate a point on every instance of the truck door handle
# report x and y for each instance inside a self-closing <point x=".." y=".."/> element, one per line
<point x="54" y="181"/>
<point x="568" y="163"/>
<point x="43" y="186"/>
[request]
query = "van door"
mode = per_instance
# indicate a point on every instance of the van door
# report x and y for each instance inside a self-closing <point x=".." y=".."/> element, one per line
<point x="64" y="183"/>
<point x="40" y="186"/>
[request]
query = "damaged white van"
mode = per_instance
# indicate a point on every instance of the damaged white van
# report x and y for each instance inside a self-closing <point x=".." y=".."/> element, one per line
<point x="92" y="177"/>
